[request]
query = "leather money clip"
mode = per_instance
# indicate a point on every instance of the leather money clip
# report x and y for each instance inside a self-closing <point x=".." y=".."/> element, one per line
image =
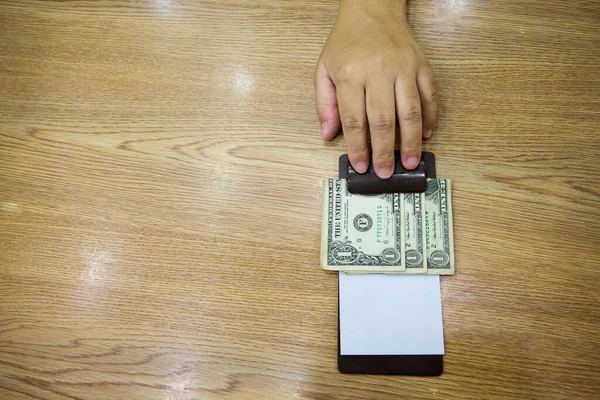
<point x="401" y="181"/>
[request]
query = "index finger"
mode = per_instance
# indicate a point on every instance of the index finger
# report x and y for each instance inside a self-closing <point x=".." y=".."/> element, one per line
<point x="351" y="105"/>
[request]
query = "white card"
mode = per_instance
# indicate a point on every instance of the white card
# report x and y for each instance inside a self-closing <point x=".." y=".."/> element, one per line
<point x="390" y="315"/>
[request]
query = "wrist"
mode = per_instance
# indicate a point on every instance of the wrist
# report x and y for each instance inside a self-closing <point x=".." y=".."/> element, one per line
<point x="376" y="5"/>
<point x="378" y="9"/>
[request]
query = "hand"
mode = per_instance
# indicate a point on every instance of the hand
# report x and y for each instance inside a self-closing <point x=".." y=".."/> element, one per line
<point x="372" y="69"/>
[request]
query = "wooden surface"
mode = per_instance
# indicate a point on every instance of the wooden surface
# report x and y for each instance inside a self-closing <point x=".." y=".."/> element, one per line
<point x="160" y="190"/>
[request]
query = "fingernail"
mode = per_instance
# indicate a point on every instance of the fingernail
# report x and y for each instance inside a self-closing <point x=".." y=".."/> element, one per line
<point x="385" y="172"/>
<point x="411" y="162"/>
<point x="361" y="167"/>
<point x="324" y="127"/>
<point x="427" y="134"/>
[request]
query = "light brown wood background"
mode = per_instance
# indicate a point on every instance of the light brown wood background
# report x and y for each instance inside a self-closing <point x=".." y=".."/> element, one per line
<point x="160" y="191"/>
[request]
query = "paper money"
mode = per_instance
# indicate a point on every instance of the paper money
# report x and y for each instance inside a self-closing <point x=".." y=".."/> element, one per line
<point x="413" y="232"/>
<point x="397" y="233"/>
<point x="360" y="232"/>
<point x="438" y="227"/>
<point x="412" y="206"/>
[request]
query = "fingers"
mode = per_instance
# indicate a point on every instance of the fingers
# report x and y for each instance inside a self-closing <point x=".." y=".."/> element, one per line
<point x="327" y="106"/>
<point x="381" y="113"/>
<point x="349" y="108"/>
<point x="428" y="95"/>
<point x="351" y="102"/>
<point x="408" y="104"/>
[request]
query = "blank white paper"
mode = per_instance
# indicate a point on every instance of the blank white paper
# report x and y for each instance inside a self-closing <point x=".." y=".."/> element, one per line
<point x="390" y="315"/>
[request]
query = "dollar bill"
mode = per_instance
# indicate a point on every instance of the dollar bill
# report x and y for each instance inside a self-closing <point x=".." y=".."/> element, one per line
<point x="413" y="232"/>
<point x="412" y="207"/>
<point x="439" y="238"/>
<point x="360" y="232"/>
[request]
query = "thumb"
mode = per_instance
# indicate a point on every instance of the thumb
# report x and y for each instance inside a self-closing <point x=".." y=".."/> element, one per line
<point x="327" y="106"/>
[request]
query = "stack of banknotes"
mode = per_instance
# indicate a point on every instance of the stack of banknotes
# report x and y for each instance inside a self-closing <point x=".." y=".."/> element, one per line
<point x="391" y="233"/>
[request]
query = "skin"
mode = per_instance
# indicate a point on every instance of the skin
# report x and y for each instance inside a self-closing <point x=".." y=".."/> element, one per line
<point x="371" y="75"/>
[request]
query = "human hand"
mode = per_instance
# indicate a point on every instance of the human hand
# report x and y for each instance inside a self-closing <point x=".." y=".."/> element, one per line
<point x="370" y="71"/>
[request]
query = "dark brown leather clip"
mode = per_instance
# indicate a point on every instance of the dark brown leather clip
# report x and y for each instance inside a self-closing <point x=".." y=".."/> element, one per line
<point x="401" y="181"/>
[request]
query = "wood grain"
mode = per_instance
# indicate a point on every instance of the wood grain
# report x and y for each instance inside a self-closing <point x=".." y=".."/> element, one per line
<point x="160" y="193"/>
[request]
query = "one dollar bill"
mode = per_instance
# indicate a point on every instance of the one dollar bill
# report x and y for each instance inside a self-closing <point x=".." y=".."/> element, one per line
<point x="439" y="236"/>
<point x="413" y="232"/>
<point x="360" y="232"/>
<point x="412" y="207"/>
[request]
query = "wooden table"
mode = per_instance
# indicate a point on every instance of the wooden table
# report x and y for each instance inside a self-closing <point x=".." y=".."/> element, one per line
<point x="160" y="190"/>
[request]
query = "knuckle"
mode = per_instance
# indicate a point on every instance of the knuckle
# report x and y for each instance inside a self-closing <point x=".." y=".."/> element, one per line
<point x="347" y="72"/>
<point x="354" y="126"/>
<point x="323" y="105"/>
<point x="412" y="146"/>
<point x="431" y="97"/>
<point x="411" y="114"/>
<point x="383" y="158"/>
<point x="321" y="112"/>
<point x="357" y="148"/>
<point x="377" y="62"/>
<point x="383" y="123"/>
<point x="348" y="69"/>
